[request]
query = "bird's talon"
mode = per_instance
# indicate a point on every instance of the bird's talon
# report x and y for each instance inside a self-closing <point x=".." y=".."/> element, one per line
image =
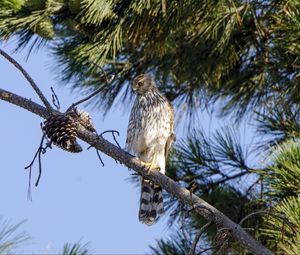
<point x="153" y="168"/>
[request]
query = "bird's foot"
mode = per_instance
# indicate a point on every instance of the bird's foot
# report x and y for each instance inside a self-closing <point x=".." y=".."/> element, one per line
<point x="150" y="166"/>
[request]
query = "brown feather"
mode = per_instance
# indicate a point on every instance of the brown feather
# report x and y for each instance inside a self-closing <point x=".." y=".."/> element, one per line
<point x="172" y="136"/>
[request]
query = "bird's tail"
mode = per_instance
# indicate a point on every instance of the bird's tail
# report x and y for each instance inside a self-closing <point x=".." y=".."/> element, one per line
<point x="151" y="202"/>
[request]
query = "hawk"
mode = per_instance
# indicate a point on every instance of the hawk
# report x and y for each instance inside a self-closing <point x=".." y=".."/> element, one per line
<point x="149" y="136"/>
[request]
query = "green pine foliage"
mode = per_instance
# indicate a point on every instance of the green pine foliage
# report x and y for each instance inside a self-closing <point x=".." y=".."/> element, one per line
<point x="204" y="50"/>
<point x="177" y="245"/>
<point x="239" y="57"/>
<point x="281" y="225"/>
<point x="75" y="249"/>
<point x="10" y="237"/>
<point x="284" y="174"/>
<point x="279" y="122"/>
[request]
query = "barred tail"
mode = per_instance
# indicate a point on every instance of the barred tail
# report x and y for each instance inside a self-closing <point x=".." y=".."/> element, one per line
<point x="151" y="202"/>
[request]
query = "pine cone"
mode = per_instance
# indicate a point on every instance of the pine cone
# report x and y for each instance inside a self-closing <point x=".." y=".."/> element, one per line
<point x="83" y="118"/>
<point x="86" y="121"/>
<point x="61" y="130"/>
<point x="221" y="241"/>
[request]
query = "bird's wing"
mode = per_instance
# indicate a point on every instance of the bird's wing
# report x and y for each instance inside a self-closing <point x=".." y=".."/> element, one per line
<point x="130" y="133"/>
<point x="171" y="136"/>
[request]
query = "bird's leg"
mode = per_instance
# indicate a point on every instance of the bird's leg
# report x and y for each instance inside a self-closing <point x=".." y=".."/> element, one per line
<point x="151" y="166"/>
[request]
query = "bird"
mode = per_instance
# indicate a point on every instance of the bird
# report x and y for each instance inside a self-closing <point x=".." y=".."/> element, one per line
<point x="150" y="134"/>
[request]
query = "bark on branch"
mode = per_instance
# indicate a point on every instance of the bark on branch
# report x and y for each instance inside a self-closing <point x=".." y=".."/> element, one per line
<point x="200" y="206"/>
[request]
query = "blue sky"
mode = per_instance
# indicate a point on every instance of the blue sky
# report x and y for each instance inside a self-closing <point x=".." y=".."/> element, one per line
<point x="77" y="198"/>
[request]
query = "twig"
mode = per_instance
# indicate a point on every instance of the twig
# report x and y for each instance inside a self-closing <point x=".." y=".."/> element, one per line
<point x="200" y="207"/>
<point x="227" y="178"/>
<point x="204" y="250"/>
<point x="197" y="237"/>
<point x="29" y="196"/>
<point x="103" y="71"/>
<point x="253" y="214"/>
<point x="99" y="156"/>
<point x="28" y="78"/>
<point x="30" y="167"/>
<point x="193" y="186"/>
<point x="55" y="99"/>
<point x="84" y="99"/>
<point x="107" y="81"/>
<point x="182" y="228"/>
<point x="252" y="186"/>
<point x="268" y="212"/>
<point x="41" y="150"/>
<point x="113" y="134"/>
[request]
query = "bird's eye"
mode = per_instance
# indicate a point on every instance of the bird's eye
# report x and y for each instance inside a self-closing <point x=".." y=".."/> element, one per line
<point x="139" y="83"/>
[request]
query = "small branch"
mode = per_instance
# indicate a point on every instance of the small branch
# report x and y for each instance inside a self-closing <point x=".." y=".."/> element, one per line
<point x="253" y="214"/>
<point x="197" y="237"/>
<point x="103" y="71"/>
<point x="201" y="207"/>
<point x="85" y="99"/>
<point x="55" y="99"/>
<point x="268" y="212"/>
<point x="28" y="78"/>
<point x="205" y="250"/>
<point x="182" y="228"/>
<point x="99" y="157"/>
<point x="24" y="103"/>
<point x="107" y="81"/>
<point x="36" y="154"/>
<point x="30" y="168"/>
<point x="98" y="154"/>
<point x="41" y="150"/>
<point x="113" y="134"/>
<point x="227" y="178"/>
<point x="252" y="186"/>
<point x="222" y="241"/>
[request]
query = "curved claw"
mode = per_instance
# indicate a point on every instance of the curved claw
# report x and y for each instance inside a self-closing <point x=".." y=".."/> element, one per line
<point x="151" y="166"/>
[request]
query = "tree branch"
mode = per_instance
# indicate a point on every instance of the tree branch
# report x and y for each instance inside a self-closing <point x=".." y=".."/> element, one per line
<point x="28" y="78"/>
<point x="24" y="103"/>
<point x="227" y="178"/>
<point x="197" y="237"/>
<point x="200" y="206"/>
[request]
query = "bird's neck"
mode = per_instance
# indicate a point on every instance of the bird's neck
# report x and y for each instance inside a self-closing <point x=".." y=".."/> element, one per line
<point x="151" y="91"/>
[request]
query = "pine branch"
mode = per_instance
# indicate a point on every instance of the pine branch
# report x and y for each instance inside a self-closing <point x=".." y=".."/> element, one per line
<point x="28" y="78"/>
<point x="227" y="178"/>
<point x="197" y="237"/>
<point x="185" y="196"/>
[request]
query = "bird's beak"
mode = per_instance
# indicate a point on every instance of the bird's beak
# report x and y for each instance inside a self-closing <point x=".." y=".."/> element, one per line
<point x="134" y="88"/>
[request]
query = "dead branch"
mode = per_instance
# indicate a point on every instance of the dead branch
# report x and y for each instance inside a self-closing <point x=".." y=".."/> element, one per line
<point x="41" y="150"/>
<point x="282" y="218"/>
<point x="198" y="236"/>
<point x="55" y="100"/>
<point x="28" y="78"/>
<point x="221" y="241"/>
<point x="200" y="206"/>
<point x="106" y="80"/>
<point x="182" y="228"/>
<point x="99" y="157"/>
<point x="113" y="132"/>
<point x="254" y="214"/>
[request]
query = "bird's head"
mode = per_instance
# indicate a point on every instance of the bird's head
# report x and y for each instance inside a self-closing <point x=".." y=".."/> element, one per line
<point x="142" y="84"/>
